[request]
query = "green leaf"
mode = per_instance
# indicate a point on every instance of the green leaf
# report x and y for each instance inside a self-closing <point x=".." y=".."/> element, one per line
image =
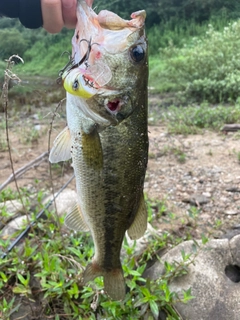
<point x="154" y="308"/>
<point x="23" y="280"/>
<point x="74" y="250"/>
<point x="146" y="292"/>
<point x="187" y="295"/>
<point x="134" y="273"/>
<point x="3" y="276"/>
<point x="21" y="289"/>
<point x="204" y="239"/>
<point x="140" y="302"/>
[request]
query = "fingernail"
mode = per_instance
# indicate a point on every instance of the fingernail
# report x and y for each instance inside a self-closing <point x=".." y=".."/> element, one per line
<point x="68" y="4"/>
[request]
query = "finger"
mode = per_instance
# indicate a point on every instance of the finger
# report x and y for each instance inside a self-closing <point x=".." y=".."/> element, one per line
<point x="52" y="15"/>
<point x="69" y="8"/>
<point x="89" y="2"/>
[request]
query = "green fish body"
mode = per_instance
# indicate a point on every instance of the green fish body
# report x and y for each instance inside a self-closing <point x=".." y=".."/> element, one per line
<point x="107" y="139"/>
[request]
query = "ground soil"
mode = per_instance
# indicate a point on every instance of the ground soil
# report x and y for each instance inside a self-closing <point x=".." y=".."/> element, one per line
<point x="194" y="175"/>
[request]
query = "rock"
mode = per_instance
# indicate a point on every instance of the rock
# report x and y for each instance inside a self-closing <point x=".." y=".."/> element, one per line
<point x="27" y="309"/>
<point x="230" y="234"/>
<point x="65" y="201"/>
<point x="233" y="189"/>
<point x="232" y="212"/>
<point x="235" y="249"/>
<point x="12" y="207"/>
<point x="141" y="243"/>
<point x="196" y="199"/>
<point x="13" y="226"/>
<point x="8" y="232"/>
<point x="214" y="279"/>
<point x="207" y="194"/>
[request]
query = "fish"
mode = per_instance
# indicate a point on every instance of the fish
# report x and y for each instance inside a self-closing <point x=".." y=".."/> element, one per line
<point x="106" y="136"/>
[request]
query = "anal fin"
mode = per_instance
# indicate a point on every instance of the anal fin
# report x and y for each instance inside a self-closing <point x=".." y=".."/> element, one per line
<point x="61" y="150"/>
<point x="74" y="220"/>
<point x="139" y="225"/>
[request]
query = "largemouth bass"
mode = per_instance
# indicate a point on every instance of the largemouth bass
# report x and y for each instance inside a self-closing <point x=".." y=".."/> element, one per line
<point x="107" y="136"/>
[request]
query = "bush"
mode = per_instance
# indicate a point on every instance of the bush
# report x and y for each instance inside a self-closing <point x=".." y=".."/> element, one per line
<point x="189" y="120"/>
<point x="12" y="42"/>
<point x="208" y="68"/>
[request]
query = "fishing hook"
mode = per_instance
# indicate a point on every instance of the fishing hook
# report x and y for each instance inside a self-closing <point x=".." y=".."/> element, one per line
<point x="70" y="62"/>
<point x="69" y="66"/>
<point x="87" y="54"/>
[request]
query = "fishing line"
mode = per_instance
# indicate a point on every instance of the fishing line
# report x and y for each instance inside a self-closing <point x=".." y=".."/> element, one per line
<point x="49" y="144"/>
<point x="31" y="224"/>
<point x="9" y="75"/>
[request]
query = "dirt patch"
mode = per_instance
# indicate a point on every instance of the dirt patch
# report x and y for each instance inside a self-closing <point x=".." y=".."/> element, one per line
<point x="196" y="171"/>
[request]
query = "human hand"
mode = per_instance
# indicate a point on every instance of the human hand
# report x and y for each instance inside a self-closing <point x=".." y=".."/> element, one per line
<point x="59" y="13"/>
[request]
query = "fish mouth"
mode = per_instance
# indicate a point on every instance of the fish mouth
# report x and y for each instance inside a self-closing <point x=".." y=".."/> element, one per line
<point x="117" y="107"/>
<point x="90" y="82"/>
<point x="113" y="106"/>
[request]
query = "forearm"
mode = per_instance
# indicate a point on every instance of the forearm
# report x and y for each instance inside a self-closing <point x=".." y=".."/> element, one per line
<point x="28" y="11"/>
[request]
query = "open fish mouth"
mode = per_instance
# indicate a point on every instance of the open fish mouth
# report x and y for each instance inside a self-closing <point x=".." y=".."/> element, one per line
<point x="114" y="105"/>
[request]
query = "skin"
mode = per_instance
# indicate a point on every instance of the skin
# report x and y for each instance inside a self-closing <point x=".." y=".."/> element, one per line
<point x="59" y="13"/>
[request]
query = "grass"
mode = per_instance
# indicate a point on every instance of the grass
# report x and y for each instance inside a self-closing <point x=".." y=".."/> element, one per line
<point x="54" y="262"/>
<point x="191" y="119"/>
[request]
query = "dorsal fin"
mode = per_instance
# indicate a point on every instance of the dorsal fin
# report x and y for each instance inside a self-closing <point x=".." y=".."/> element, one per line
<point x="74" y="219"/>
<point x="61" y="150"/>
<point x="139" y="225"/>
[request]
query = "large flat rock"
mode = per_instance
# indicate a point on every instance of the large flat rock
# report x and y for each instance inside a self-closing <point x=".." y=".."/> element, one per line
<point x="214" y="279"/>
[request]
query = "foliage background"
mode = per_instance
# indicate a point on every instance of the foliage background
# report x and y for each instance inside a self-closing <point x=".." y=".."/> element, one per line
<point x="193" y="46"/>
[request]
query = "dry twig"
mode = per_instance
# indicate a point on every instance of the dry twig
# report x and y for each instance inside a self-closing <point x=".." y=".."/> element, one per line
<point x="18" y="173"/>
<point x="9" y="75"/>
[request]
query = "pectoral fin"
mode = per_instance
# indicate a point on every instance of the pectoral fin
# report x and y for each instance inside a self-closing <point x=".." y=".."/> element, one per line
<point x="75" y="221"/>
<point x="61" y="150"/>
<point x="139" y="225"/>
<point x="92" y="150"/>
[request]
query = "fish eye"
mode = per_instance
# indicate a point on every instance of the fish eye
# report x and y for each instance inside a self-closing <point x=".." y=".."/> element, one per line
<point x="75" y="85"/>
<point x="137" y="53"/>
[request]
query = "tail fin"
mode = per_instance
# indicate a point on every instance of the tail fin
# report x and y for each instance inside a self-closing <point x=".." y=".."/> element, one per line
<point x="114" y="282"/>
